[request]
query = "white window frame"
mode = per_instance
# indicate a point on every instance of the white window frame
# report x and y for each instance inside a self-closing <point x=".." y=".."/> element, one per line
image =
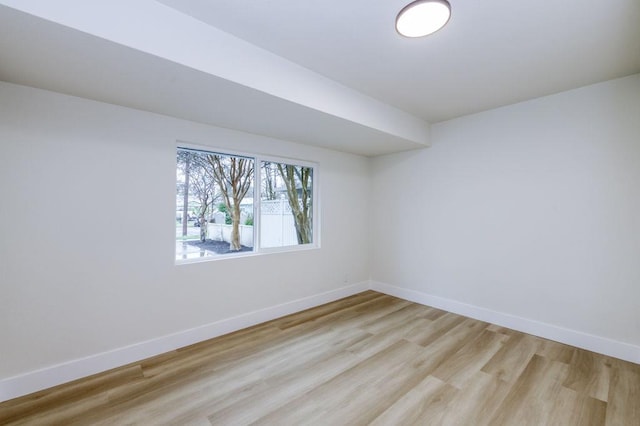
<point x="257" y="170"/>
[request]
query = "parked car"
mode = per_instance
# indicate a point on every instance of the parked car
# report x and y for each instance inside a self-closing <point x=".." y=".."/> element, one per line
<point x="190" y="216"/>
<point x="196" y="222"/>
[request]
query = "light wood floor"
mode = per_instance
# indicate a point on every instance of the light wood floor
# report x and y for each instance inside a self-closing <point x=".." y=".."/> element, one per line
<point x="366" y="359"/>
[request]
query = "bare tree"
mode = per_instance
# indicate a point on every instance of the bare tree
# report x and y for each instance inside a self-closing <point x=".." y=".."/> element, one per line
<point x="268" y="179"/>
<point x="234" y="176"/>
<point x="301" y="205"/>
<point x="202" y="185"/>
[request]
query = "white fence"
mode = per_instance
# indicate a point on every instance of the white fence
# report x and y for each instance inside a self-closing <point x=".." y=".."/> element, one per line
<point x="222" y="232"/>
<point x="277" y="227"/>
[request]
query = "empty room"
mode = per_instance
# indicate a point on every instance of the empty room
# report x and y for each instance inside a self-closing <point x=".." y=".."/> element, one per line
<point x="319" y="213"/>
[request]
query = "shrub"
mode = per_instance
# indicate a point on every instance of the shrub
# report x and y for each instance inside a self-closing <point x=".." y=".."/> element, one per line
<point x="222" y="207"/>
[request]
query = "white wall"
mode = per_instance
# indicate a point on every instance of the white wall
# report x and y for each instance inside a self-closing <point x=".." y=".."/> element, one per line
<point x="87" y="233"/>
<point x="531" y="210"/>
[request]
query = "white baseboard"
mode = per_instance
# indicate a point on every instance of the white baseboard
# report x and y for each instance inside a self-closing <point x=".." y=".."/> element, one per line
<point x="34" y="381"/>
<point x="575" y="338"/>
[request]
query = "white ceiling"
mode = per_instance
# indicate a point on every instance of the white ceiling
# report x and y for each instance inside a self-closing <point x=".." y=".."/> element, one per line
<point x="46" y="55"/>
<point x="491" y="53"/>
<point x="315" y="72"/>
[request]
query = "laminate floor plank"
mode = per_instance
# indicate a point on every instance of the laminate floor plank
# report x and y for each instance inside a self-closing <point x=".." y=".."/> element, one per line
<point x="425" y="404"/>
<point x="437" y="328"/>
<point x="379" y="341"/>
<point x="323" y="310"/>
<point x="533" y="395"/>
<point x="280" y="391"/>
<point x="394" y="319"/>
<point x="623" y="405"/>
<point x="305" y="371"/>
<point x="242" y="377"/>
<point x="339" y="398"/>
<point x="477" y="402"/>
<point x="68" y="394"/>
<point x="589" y="374"/>
<point x="513" y="357"/>
<point x="555" y="351"/>
<point x="69" y="414"/>
<point x="433" y="313"/>
<point x="361" y="314"/>
<point x="366" y="359"/>
<point x="573" y="408"/>
<point x="459" y="368"/>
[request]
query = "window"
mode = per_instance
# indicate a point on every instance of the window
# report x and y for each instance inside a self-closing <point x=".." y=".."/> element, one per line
<point x="286" y="204"/>
<point x="228" y="204"/>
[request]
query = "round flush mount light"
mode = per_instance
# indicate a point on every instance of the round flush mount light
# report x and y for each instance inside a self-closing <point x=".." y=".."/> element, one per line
<point x="423" y="17"/>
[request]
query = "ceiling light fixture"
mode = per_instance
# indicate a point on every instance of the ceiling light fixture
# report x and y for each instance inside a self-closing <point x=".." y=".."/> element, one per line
<point x="423" y="17"/>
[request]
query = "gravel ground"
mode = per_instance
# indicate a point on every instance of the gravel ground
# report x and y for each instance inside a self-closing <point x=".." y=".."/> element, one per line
<point x="220" y="247"/>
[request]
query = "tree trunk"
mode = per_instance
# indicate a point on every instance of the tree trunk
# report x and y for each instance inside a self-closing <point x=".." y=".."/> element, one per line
<point x="299" y="208"/>
<point x="235" y="228"/>
<point x="203" y="228"/>
<point x="303" y="228"/>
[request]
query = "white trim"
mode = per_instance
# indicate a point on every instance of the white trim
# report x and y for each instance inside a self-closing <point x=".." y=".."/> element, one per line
<point x="263" y="252"/>
<point x="602" y="345"/>
<point x="44" y="378"/>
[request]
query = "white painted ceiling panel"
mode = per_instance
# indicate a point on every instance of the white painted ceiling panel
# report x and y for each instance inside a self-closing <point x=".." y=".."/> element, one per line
<point x="331" y="73"/>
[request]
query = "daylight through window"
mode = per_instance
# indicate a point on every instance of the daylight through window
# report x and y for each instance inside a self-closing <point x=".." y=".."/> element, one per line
<point x="221" y="210"/>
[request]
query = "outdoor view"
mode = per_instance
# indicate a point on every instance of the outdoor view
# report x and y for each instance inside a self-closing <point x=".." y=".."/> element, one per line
<point x="217" y="201"/>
